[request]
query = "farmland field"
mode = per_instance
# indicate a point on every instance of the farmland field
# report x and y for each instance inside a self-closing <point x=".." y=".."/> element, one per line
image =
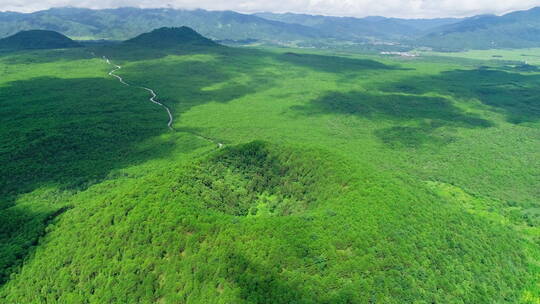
<point x="342" y="178"/>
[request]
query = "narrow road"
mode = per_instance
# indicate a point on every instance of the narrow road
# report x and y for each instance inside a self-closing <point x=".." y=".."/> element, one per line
<point x="153" y="99"/>
<point x="154" y="95"/>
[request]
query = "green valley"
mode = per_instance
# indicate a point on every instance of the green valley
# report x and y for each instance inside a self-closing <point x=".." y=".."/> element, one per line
<point x="289" y="175"/>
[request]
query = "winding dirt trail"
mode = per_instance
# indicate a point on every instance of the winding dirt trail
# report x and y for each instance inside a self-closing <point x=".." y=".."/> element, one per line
<point x="154" y="95"/>
<point x="154" y="100"/>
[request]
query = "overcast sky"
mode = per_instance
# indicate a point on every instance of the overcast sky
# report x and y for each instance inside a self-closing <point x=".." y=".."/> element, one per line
<point x="358" y="8"/>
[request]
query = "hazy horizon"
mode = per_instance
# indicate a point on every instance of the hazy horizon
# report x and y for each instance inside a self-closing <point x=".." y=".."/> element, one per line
<point x="412" y="9"/>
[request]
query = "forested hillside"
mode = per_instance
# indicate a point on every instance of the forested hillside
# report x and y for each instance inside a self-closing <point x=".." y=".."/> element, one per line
<point x="348" y="28"/>
<point x="170" y="37"/>
<point x="126" y="23"/>
<point x="37" y="39"/>
<point x="287" y="176"/>
<point x="513" y="30"/>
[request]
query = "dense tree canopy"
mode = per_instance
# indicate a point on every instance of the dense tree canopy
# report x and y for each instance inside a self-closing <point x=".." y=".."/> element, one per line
<point x="350" y="179"/>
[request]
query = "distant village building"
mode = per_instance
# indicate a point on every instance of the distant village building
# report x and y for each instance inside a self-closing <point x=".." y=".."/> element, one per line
<point x="402" y="54"/>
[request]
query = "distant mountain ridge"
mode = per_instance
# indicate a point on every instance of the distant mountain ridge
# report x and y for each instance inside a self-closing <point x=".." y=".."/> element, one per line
<point x="513" y="30"/>
<point x="358" y="28"/>
<point x="126" y="23"/>
<point x="37" y="39"/>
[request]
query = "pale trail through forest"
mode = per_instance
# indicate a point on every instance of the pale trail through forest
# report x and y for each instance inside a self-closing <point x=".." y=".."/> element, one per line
<point x="153" y="100"/>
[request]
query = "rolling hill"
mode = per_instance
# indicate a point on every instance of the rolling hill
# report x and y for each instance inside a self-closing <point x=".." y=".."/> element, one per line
<point x="37" y="39"/>
<point x="363" y="28"/>
<point x="514" y="30"/>
<point x="125" y="23"/>
<point x="170" y="37"/>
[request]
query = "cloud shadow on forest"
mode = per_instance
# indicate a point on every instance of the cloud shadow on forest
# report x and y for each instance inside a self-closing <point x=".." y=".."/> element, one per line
<point x="67" y="134"/>
<point x="513" y="95"/>
<point x="72" y="133"/>
<point x="426" y="113"/>
<point x="334" y="64"/>
<point x="132" y="53"/>
<point x="182" y="85"/>
<point x="21" y="230"/>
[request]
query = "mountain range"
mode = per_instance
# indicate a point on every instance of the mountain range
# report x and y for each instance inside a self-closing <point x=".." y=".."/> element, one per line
<point x="513" y="30"/>
<point x="126" y="23"/>
<point x="375" y="28"/>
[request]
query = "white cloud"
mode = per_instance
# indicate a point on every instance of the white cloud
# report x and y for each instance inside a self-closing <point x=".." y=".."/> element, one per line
<point x="358" y="8"/>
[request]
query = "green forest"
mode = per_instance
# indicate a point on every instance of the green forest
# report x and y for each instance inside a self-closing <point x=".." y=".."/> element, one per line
<point x="289" y="176"/>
